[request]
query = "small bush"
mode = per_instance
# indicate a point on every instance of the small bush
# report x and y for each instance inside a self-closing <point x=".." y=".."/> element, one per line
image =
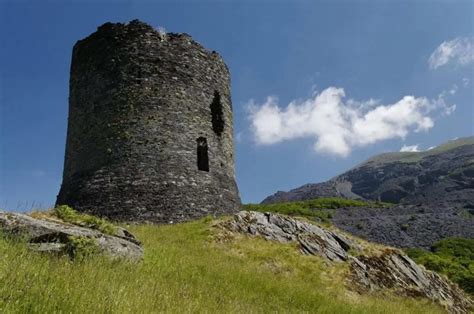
<point x="80" y="248"/>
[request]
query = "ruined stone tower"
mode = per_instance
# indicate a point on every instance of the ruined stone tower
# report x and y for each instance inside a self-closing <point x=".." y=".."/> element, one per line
<point x="150" y="127"/>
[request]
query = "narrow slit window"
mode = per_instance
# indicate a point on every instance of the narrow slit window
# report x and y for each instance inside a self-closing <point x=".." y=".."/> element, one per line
<point x="217" y="114"/>
<point x="202" y="154"/>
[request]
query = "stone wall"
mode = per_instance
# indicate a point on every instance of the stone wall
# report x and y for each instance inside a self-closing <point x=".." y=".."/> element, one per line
<point x="140" y="104"/>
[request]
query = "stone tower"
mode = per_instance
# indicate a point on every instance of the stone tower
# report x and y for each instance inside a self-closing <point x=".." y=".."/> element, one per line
<point x="150" y="133"/>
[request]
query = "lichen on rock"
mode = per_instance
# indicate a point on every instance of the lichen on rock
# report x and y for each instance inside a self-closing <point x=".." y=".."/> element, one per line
<point x="56" y="236"/>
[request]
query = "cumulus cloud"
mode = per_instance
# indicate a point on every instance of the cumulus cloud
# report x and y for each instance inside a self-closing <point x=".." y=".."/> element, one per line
<point x="459" y="51"/>
<point x="409" y="148"/>
<point x="338" y="125"/>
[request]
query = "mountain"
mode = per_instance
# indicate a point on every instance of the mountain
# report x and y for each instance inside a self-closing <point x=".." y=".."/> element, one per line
<point x="443" y="176"/>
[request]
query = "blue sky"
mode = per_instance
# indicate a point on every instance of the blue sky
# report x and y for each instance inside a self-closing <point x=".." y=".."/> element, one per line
<point x="308" y="53"/>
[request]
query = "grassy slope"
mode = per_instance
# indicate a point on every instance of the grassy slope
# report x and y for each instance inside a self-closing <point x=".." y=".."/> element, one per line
<point x="452" y="257"/>
<point x="185" y="270"/>
<point x="417" y="156"/>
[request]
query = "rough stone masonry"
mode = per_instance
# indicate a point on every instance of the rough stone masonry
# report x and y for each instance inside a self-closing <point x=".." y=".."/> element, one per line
<point x="150" y="134"/>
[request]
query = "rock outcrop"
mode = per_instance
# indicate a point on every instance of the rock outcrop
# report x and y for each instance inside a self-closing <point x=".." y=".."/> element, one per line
<point x="395" y="271"/>
<point x="311" y="238"/>
<point x="56" y="236"/>
<point x="390" y="270"/>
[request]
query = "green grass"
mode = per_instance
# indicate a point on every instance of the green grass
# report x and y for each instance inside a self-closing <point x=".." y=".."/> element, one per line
<point x="186" y="270"/>
<point x="321" y="208"/>
<point x="453" y="257"/>
<point x="70" y="215"/>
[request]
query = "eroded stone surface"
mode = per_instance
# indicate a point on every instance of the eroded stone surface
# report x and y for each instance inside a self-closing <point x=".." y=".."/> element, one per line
<point x="52" y="236"/>
<point x="311" y="238"/>
<point x="396" y="271"/>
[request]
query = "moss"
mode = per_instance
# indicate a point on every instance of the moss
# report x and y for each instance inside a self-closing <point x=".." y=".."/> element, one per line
<point x="69" y="215"/>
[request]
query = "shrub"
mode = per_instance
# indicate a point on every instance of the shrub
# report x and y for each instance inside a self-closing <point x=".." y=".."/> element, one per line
<point x="453" y="257"/>
<point x="79" y="248"/>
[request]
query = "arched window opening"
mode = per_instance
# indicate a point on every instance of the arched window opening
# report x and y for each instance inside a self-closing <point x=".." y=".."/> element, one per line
<point x="217" y="114"/>
<point x="202" y="154"/>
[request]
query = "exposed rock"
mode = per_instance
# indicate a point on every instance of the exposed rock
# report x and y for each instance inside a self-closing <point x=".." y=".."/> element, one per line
<point x="395" y="271"/>
<point x="392" y="270"/>
<point x="311" y="238"/>
<point x="53" y="236"/>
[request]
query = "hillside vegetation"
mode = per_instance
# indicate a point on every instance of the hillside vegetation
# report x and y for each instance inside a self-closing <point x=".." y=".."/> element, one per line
<point x="186" y="268"/>
<point x="453" y="257"/>
<point x="320" y="208"/>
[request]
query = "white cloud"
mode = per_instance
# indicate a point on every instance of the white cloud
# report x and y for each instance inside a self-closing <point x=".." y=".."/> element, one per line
<point x="339" y="125"/>
<point x="459" y="51"/>
<point x="465" y="81"/>
<point x="409" y="148"/>
<point x="447" y="109"/>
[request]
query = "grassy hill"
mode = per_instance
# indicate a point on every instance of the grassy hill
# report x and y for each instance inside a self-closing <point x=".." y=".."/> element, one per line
<point x="417" y="156"/>
<point x="187" y="268"/>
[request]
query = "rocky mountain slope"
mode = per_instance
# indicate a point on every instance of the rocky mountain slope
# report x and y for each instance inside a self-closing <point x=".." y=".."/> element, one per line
<point x="434" y="192"/>
<point x="442" y="175"/>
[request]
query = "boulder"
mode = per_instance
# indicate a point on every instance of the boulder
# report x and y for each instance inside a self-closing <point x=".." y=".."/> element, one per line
<point x="55" y="236"/>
